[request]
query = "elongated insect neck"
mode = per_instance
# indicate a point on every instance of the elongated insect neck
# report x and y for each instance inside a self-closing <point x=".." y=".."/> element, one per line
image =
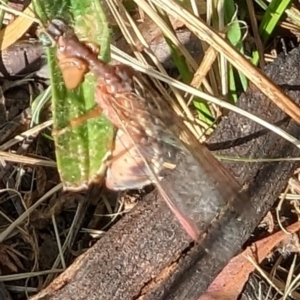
<point x="99" y="67"/>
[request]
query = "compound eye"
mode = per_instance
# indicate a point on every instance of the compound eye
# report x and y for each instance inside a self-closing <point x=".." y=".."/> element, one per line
<point x="60" y="25"/>
<point x="56" y="28"/>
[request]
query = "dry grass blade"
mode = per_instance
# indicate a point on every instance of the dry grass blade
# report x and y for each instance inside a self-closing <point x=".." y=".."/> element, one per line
<point x="208" y="60"/>
<point x="67" y="243"/>
<point x="26" y="160"/>
<point x="24" y="216"/>
<point x="18" y="28"/>
<point x="19" y="138"/>
<point x="5" y="278"/>
<point x="264" y="275"/>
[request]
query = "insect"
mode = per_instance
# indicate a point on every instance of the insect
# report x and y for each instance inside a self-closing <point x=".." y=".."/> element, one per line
<point x="144" y="144"/>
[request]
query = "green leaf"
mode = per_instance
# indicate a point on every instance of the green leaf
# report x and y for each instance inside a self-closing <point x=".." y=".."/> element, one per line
<point x="271" y="18"/>
<point x="234" y="36"/>
<point x="81" y="150"/>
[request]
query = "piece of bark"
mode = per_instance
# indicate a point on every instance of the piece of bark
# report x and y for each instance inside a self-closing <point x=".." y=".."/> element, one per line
<point x="23" y="57"/>
<point x="147" y="254"/>
<point x="241" y="266"/>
